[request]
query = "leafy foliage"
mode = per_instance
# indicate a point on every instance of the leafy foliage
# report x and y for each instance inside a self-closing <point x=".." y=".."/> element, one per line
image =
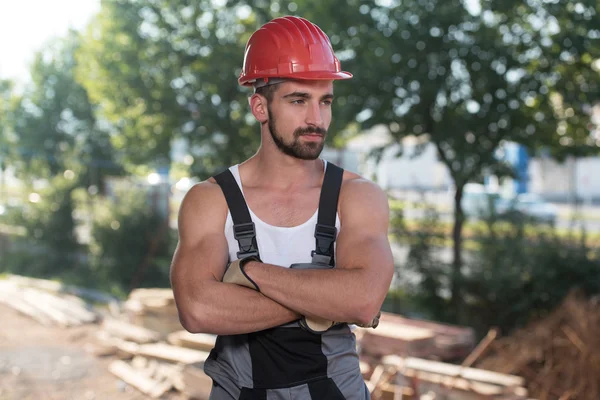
<point x="532" y="271"/>
<point x="131" y="245"/>
<point x="53" y="124"/>
<point x="513" y="272"/>
<point x="48" y="245"/>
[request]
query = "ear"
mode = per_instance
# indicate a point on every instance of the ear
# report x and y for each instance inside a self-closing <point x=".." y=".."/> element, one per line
<point x="258" y="106"/>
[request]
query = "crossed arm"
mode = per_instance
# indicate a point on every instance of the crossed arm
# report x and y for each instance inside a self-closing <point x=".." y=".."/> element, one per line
<point x="356" y="288"/>
<point x="353" y="291"/>
<point x="204" y="303"/>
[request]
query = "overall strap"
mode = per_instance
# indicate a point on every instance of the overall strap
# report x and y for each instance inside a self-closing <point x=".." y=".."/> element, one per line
<point x="243" y="227"/>
<point x="325" y="231"/>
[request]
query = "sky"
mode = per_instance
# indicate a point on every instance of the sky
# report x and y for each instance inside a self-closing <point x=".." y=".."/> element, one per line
<point x="26" y="25"/>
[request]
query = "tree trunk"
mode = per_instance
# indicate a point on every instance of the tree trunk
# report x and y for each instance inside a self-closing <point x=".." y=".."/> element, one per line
<point x="456" y="277"/>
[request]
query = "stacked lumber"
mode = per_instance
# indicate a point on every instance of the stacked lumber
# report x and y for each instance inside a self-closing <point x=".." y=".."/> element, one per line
<point x="46" y="307"/>
<point x="153" y="308"/>
<point x="415" y="378"/>
<point x="558" y="355"/>
<point x="155" y="378"/>
<point x="397" y="335"/>
<point x="60" y="288"/>
<point x="198" y="341"/>
<point x="145" y="361"/>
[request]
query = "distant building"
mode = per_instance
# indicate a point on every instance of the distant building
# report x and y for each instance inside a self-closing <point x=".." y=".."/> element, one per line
<point x="418" y="168"/>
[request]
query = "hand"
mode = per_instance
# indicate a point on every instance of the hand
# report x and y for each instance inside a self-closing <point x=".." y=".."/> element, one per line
<point x="373" y="324"/>
<point x="235" y="273"/>
<point x="316" y="325"/>
<point x="320" y="325"/>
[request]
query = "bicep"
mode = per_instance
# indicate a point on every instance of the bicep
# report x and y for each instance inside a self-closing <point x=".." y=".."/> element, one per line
<point x="201" y="254"/>
<point x="204" y="259"/>
<point x="363" y="238"/>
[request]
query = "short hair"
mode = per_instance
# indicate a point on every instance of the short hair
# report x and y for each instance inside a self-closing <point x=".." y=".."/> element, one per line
<point x="267" y="91"/>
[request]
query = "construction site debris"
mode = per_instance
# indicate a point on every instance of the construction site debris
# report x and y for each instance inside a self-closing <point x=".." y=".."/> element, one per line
<point x="396" y="359"/>
<point x="45" y="307"/>
<point x="559" y="355"/>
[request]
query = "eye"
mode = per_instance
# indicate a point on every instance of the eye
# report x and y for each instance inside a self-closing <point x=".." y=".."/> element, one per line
<point x="299" y="101"/>
<point x="327" y="102"/>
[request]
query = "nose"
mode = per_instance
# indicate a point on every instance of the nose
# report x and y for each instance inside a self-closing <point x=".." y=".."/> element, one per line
<point x="313" y="115"/>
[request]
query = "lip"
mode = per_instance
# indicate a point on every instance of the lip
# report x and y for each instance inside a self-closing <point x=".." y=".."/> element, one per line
<point x="315" y="136"/>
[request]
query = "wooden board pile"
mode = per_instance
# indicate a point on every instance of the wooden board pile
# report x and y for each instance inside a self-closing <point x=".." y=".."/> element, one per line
<point x="156" y="356"/>
<point x="416" y="378"/>
<point x="47" y="306"/>
<point x="558" y="355"/>
<point x="153" y="364"/>
<point x="154" y="309"/>
<point x="408" y="337"/>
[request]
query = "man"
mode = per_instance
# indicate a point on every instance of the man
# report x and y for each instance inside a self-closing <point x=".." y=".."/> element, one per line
<point x="272" y="251"/>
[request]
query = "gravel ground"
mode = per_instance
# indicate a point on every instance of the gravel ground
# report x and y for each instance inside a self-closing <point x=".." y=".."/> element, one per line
<point x="50" y="363"/>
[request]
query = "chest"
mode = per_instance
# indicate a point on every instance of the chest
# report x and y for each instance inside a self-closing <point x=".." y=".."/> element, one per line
<point x="283" y="208"/>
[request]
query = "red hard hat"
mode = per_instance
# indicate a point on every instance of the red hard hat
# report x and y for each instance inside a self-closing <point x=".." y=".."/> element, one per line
<point x="290" y="47"/>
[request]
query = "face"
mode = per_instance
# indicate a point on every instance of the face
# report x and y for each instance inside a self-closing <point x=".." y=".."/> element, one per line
<point x="299" y="116"/>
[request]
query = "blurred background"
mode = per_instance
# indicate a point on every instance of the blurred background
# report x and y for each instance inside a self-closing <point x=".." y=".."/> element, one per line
<point x="480" y="118"/>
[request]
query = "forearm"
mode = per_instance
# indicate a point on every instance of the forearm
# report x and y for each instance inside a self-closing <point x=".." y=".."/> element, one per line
<point x="336" y="294"/>
<point x="228" y="309"/>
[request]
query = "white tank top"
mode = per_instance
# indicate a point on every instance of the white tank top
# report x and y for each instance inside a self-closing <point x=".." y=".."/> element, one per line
<point x="277" y="245"/>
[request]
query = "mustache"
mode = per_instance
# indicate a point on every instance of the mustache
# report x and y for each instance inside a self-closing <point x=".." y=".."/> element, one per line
<point x="310" y="130"/>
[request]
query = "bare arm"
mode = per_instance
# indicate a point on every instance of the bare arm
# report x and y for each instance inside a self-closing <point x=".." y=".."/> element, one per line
<point x="204" y="303"/>
<point x="353" y="291"/>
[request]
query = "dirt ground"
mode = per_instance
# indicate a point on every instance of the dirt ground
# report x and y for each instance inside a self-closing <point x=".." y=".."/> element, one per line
<point x="51" y="363"/>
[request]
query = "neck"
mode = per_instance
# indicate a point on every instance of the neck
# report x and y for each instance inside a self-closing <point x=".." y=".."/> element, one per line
<point x="272" y="168"/>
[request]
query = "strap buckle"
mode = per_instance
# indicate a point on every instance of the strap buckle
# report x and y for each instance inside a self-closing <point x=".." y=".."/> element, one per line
<point x="245" y="234"/>
<point x="325" y="236"/>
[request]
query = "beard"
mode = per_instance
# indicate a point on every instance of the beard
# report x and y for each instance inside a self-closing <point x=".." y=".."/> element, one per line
<point x="297" y="149"/>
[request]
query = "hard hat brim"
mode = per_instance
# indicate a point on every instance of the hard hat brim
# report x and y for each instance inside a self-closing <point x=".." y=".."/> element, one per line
<point x="248" y="80"/>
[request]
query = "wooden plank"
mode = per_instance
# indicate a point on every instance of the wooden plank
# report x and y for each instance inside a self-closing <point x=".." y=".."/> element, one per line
<point x="473" y="374"/>
<point x="390" y="391"/>
<point x="125" y="348"/>
<point x="101" y="349"/>
<point x="143" y="294"/>
<point x="451" y="370"/>
<point x="26" y="309"/>
<point x="75" y="309"/>
<point x="406" y="333"/>
<point x="33" y="298"/>
<point x="57" y="287"/>
<point x="463" y="389"/>
<point x="171" y="353"/>
<point x="171" y="372"/>
<point x="44" y="306"/>
<point x="137" y="379"/>
<point x="396" y="339"/>
<point x="450" y="341"/>
<point x="131" y="332"/>
<point x="452" y="334"/>
<point x="196" y="341"/>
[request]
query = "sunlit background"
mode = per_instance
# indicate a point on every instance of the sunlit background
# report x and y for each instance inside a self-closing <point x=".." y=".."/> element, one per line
<point x="478" y="118"/>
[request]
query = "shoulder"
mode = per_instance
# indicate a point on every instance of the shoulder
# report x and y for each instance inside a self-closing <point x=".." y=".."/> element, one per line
<point x="205" y="193"/>
<point x="360" y="193"/>
<point x="204" y="201"/>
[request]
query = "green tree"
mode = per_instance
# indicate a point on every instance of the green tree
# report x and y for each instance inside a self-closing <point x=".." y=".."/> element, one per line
<point x="131" y="246"/>
<point x="49" y="246"/>
<point x="5" y="101"/>
<point x="54" y="128"/>
<point x="166" y="70"/>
